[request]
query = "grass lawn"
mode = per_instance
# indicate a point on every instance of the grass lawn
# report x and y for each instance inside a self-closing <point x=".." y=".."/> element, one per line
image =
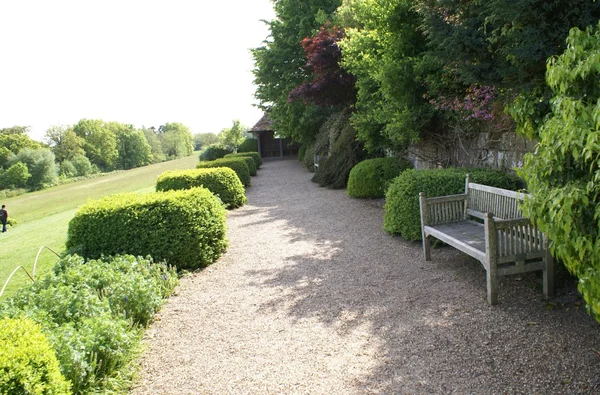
<point x="43" y="217"/>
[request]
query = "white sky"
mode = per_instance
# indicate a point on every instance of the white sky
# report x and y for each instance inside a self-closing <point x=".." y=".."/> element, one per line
<point x="143" y="62"/>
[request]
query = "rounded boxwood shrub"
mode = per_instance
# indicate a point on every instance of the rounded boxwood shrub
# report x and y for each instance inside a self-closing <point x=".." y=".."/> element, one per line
<point x="371" y="178"/>
<point x="28" y="363"/>
<point x="402" y="215"/>
<point x="185" y="228"/>
<point x="248" y="145"/>
<point x="254" y="155"/>
<point x="238" y="165"/>
<point x="221" y="181"/>
<point x="249" y="162"/>
<point x="214" y="151"/>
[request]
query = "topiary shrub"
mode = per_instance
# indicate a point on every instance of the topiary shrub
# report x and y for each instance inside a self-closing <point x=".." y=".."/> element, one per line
<point x="214" y="151"/>
<point x="401" y="211"/>
<point x="221" y="181"/>
<point x="185" y="228"/>
<point x="28" y="364"/>
<point x="238" y="165"/>
<point x="254" y="155"/>
<point x="248" y="145"/>
<point x="371" y="178"/>
<point x="249" y="162"/>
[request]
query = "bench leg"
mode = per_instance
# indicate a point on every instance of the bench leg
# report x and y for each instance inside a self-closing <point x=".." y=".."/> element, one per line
<point x="426" y="247"/>
<point x="492" y="285"/>
<point x="549" y="274"/>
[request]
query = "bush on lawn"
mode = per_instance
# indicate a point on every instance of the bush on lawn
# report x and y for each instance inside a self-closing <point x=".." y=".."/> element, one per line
<point x="91" y="312"/>
<point x="248" y="160"/>
<point x="248" y="145"/>
<point x="28" y="364"/>
<point x="214" y="151"/>
<point x="185" y="228"/>
<point x="238" y="165"/>
<point x="371" y="178"/>
<point x="221" y="181"/>
<point x="402" y="215"/>
<point x="254" y="155"/>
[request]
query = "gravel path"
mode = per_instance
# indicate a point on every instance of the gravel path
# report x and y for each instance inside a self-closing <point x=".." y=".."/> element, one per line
<point x="312" y="297"/>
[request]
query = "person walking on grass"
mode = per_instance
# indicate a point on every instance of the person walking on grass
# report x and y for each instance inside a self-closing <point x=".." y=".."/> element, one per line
<point x="3" y="217"/>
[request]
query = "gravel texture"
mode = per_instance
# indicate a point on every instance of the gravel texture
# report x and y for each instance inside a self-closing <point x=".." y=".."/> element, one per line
<point x="312" y="297"/>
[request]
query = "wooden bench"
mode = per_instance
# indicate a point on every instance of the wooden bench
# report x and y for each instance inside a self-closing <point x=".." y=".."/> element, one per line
<point x="487" y="224"/>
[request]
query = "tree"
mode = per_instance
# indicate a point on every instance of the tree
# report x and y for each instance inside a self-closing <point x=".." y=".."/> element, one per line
<point x="204" y="139"/>
<point x="155" y="144"/>
<point x="15" y="176"/>
<point x="40" y="164"/>
<point x="563" y="174"/>
<point x="100" y="143"/>
<point x="176" y="140"/>
<point x="234" y="136"/>
<point x="16" y="138"/>
<point x="132" y="146"/>
<point x="64" y="142"/>
<point x="279" y="67"/>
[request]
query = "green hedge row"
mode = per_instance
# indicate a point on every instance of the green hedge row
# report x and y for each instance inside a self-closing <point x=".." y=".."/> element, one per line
<point x="221" y="181"/>
<point x="186" y="228"/>
<point x="213" y="152"/>
<point x="371" y="178"/>
<point x="238" y="165"/>
<point x="401" y="211"/>
<point x="248" y="145"/>
<point x="91" y="314"/>
<point x="254" y="155"/>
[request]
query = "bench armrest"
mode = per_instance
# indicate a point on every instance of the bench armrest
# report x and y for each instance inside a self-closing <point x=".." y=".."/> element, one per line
<point x="518" y="236"/>
<point x="442" y="209"/>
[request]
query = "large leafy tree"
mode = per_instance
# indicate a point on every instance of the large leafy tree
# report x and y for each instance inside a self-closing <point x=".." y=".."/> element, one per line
<point x="64" y="142"/>
<point x="155" y="144"/>
<point x="234" y="136"/>
<point x="279" y="66"/>
<point x="563" y="174"/>
<point x="100" y="143"/>
<point x="16" y="138"/>
<point x="176" y="140"/>
<point x="134" y="150"/>
<point x="204" y="139"/>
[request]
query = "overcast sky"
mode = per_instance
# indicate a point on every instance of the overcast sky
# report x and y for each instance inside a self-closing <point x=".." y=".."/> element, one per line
<point x="143" y="62"/>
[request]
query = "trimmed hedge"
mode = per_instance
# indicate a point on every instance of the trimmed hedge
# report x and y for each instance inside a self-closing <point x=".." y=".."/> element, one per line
<point x="91" y="313"/>
<point x="248" y="145"/>
<point x="249" y="162"/>
<point x="254" y="155"/>
<point x="371" y="178"/>
<point x="28" y="364"/>
<point x="402" y="215"/>
<point x="236" y="164"/>
<point x="221" y="181"/>
<point x="214" y="151"/>
<point x="185" y="228"/>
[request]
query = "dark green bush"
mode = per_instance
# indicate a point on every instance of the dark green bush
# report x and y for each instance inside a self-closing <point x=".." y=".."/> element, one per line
<point x="91" y="313"/>
<point x="249" y="162"/>
<point x="185" y="228"/>
<point x="371" y="177"/>
<point x="28" y="364"/>
<point x="221" y="181"/>
<point x="236" y="164"/>
<point x="254" y="155"/>
<point x="248" y="145"/>
<point x="402" y="215"/>
<point x="302" y="152"/>
<point x="214" y="151"/>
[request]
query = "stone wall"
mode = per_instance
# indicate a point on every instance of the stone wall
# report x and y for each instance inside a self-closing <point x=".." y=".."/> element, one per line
<point x="501" y="150"/>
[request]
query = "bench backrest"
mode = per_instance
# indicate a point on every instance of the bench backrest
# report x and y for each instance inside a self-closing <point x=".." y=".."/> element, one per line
<point x="502" y="203"/>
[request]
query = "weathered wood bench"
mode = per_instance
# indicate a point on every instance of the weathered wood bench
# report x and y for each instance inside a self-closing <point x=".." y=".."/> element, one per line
<point x="505" y="243"/>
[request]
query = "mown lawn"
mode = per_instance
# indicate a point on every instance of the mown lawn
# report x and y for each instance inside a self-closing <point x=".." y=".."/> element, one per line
<point x="43" y="217"/>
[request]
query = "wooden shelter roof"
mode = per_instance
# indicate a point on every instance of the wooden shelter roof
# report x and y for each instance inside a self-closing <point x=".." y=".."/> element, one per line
<point x="263" y="125"/>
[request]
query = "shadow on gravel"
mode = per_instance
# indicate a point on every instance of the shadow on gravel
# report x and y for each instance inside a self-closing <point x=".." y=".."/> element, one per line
<point x="434" y="330"/>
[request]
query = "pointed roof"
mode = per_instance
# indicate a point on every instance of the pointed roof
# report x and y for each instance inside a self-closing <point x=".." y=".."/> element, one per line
<point x="263" y="125"/>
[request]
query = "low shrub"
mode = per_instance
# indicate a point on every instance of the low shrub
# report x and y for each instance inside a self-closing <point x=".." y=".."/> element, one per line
<point x="92" y="312"/>
<point x="248" y="145"/>
<point x="254" y="155"/>
<point x="221" y="181"/>
<point x="309" y="158"/>
<point x="402" y="215"/>
<point x="238" y="165"/>
<point x="214" y="151"/>
<point x="185" y="228"/>
<point x="249" y="162"/>
<point x="371" y="178"/>
<point x="28" y="364"/>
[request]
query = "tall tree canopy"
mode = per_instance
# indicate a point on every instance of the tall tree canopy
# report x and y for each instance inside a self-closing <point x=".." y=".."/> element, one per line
<point x="176" y="140"/>
<point x="100" y="143"/>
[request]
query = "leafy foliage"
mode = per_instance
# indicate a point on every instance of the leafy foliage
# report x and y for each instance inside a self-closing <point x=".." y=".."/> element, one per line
<point x="371" y="177"/>
<point x="214" y="151"/>
<point x="64" y="142"/>
<point x="563" y="174"/>
<point x="221" y="181"/>
<point x="15" y="176"/>
<point x="248" y="145"/>
<point x="132" y="146"/>
<point x="254" y="155"/>
<point x="232" y="137"/>
<point x="250" y="162"/>
<point x="28" y="364"/>
<point x="238" y="165"/>
<point x="402" y="215"/>
<point x="40" y="165"/>
<point x="100" y="143"/>
<point x="176" y="140"/>
<point x="202" y="140"/>
<point x="186" y="228"/>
